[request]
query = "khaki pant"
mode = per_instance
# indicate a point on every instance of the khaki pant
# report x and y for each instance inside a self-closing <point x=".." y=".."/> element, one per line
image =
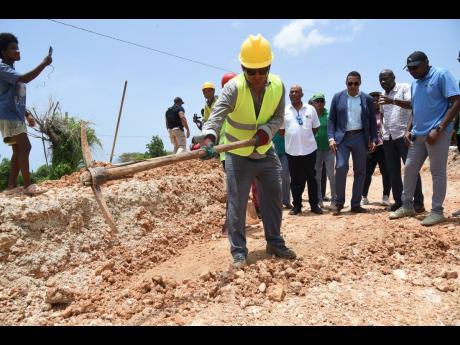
<point x="177" y="137"/>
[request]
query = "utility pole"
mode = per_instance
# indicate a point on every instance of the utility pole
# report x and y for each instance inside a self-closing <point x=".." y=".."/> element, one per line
<point x="118" y="121"/>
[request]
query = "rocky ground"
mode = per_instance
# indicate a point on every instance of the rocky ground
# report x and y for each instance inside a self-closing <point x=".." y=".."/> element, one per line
<point x="169" y="264"/>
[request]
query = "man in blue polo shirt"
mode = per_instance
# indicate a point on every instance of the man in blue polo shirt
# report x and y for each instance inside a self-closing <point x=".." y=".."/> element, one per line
<point x="428" y="133"/>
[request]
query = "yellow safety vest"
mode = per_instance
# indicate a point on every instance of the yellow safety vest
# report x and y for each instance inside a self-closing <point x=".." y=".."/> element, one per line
<point x="208" y="110"/>
<point x="222" y="139"/>
<point x="242" y="123"/>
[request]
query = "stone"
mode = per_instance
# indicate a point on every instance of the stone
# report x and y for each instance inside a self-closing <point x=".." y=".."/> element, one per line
<point x="262" y="287"/>
<point x="276" y="293"/>
<point x="450" y="275"/>
<point x="400" y="274"/>
<point x="59" y="295"/>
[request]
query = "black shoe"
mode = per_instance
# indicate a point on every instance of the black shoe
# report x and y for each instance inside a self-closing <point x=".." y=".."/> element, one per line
<point x="337" y="210"/>
<point x="358" y="209"/>
<point x="259" y="214"/>
<point x="239" y="261"/>
<point x="419" y="208"/>
<point x="394" y="207"/>
<point x="280" y="252"/>
<point x="295" y="211"/>
<point x="288" y="206"/>
<point x="317" y="210"/>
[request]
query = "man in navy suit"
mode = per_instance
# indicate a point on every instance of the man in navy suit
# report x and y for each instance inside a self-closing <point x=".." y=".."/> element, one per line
<point x="351" y="128"/>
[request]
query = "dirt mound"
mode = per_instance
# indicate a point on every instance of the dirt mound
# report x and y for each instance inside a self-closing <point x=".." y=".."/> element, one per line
<point x="169" y="262"/>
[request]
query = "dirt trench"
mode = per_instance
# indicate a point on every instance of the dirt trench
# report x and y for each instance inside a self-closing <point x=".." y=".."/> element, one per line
<point x="169" y="265"/>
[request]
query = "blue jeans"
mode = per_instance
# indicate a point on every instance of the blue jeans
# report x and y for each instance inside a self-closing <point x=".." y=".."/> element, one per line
<point x="285" y="179"/>
<point x="326" y="157"/>
<point x="356" y="144"/>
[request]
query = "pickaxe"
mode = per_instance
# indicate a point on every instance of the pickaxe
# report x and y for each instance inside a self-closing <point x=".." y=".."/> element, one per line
<point x="96" y="176"/>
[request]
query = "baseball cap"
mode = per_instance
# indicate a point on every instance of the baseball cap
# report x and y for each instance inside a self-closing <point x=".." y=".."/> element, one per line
<point x="178" y="100"/>
<point x="415" y="59"/>
<point x="318" y="95"/>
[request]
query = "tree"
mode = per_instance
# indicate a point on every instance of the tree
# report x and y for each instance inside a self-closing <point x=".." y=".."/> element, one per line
<point x="63" y="134"/>
<point x="131" y="156"/>
<point x="155" y="147"/>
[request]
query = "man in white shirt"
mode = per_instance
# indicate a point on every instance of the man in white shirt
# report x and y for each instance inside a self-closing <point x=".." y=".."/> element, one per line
<point x="301" y="124"/>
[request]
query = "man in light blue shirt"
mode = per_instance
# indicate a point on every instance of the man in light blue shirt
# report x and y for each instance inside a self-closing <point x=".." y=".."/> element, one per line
<point x="428" y="133"/>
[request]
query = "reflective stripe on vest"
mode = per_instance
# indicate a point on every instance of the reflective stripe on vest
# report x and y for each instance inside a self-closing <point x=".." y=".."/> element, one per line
<point x="207" y="110"/>
<point x="242" y="123"/>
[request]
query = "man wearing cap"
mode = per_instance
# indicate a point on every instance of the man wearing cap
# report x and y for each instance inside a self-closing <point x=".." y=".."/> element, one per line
<point x="428" y="131"/>
<point x="395" y="107"/>
<point x="175" y="123"/>
<point x="351" y="128"/>
<point x="324" y="156"/>
<point x="253" y="105"/>
<point x="457" y="126"/>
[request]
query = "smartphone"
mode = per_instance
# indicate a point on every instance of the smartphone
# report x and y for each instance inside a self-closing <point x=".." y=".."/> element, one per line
<point x="50" y="52"/>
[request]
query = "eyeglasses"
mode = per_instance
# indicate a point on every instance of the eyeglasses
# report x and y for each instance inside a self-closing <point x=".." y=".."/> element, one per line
<point x="299" y="119"/>
<point x="319" y="100"/>
<point x="355" y="83"/>
<point x="260" y="71"/>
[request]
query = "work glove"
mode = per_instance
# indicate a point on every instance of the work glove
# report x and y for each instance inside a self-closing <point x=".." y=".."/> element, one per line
<point x="208" y="146"/>
<point x="262" y="137"/>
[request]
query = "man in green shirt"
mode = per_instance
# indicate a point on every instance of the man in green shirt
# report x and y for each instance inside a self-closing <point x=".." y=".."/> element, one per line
<point x="323" y="155"/>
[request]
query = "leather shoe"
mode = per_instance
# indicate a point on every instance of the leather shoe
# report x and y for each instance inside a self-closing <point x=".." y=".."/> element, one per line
<point x="294" y="211"/>
<point x="419" y="208"/>
<point x="317" y="210"/>
<point x="358" y="209"/>
<point x="288" y="206"/>
<point x="280" y="252"/>
<point x="337" y="210"/>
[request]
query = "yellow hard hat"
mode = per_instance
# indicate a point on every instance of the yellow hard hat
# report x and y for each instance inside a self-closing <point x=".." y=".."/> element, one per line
<point x="208" y="85"/>
<point x="256" y="52"/>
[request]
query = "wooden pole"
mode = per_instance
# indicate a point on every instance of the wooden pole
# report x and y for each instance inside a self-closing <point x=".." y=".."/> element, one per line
<point x="118" y="121"/>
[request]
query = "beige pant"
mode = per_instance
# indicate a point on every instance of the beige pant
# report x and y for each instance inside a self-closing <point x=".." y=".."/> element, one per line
<point x="178" y="139"/>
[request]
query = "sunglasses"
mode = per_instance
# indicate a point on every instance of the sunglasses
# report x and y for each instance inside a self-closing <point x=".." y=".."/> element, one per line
<point x="260" y="71"/>
<point x="355" y="83"/>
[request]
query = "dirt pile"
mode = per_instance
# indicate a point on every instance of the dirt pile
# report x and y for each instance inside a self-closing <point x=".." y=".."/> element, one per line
<point x="169" y="263"/>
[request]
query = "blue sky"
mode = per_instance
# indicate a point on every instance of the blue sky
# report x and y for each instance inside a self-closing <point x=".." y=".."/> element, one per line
<point x="90" y="70"/>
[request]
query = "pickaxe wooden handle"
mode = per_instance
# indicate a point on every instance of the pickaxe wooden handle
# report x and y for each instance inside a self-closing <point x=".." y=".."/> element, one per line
<point x="95" y="176"/>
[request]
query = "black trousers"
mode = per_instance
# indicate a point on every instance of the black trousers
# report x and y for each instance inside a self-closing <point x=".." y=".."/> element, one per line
<point x="374" y="158"/>
<point x="323" y="181"/>
<point x="458" y="142"/>
<point x="395" y="150"/>
<point x="302" y="171"/>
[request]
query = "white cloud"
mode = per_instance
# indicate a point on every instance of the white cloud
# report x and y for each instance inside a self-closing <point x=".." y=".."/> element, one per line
<point x="300" y="35"/>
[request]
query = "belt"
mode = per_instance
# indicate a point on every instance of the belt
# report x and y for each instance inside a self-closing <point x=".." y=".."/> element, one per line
<point x="354" y="131"/>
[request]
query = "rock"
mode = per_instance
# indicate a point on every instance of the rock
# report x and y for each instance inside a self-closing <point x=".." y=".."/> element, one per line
<point x="59" y="295"/>
<point x="6" y="241"/>
<point x="400" y="274"/>
<point x="296" y="286"/>
<point x="450" y="274"/>
<point x="290" y="272"/>
<point x="262" y="287"/>
<point x="239" y="274"/>
<point x="442" y="287"/>
<point x="205" y="276"/>
<point x="276" y="293"/>
<point x="108" y="265"/>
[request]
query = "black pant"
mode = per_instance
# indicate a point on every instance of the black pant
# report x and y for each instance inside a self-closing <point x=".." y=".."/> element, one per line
<point x="395" y="150"/>
<point x="302" y="170"/>
<point x="323" y="181"/>
<point x="378" y="156"/>
<point x="458" y="142"/>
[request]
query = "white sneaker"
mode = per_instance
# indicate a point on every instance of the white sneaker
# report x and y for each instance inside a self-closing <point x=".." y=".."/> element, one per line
<point x="365" y="201"/>
<point x="386" y="200"/>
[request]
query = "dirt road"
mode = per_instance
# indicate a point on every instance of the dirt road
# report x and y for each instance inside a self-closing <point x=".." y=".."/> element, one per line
<point x="169" y="264"/>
